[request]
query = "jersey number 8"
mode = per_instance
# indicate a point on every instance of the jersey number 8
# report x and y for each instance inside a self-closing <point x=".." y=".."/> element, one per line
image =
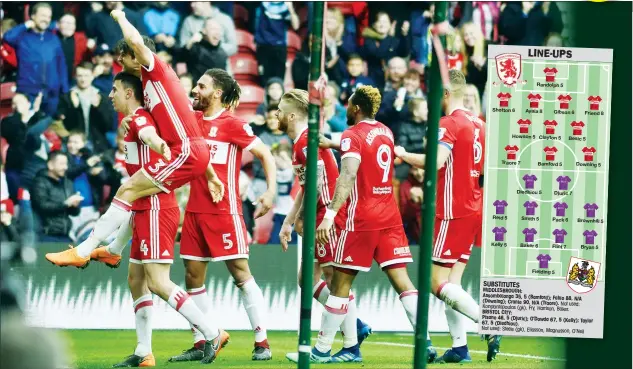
<point x="384" y="161"/>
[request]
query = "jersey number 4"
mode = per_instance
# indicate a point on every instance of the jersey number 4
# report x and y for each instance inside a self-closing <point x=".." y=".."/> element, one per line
<point x="477" y="147"/>
<point x="144" y="248"/>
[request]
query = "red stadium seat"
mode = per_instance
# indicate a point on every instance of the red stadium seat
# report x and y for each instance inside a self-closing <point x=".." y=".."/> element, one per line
<point x="247" y="113"/>
<point x="240" y="16"/>
<point x="251" y="97"/>
<point x="245" y="42"/>
<point x="244" y="68"/>
<point x="294" y="44"/>
<point x="7" y="91"/>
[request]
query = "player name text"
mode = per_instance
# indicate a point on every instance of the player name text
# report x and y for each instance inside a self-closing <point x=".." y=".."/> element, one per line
<point x="505" y="162"/>
<point x="587" y="112"/>
<point x="503" y="110"/>
<point x="549" y="137"/>
<point x="529" y="245"/>
<point x="560" y="220"/>
<point x="523" y="136"/>
<point x="588" y="247"/>
<point x="569" y="112"/>
<point x="500" y="217"/>
<point x="575" y="138"/>
<point x="593" y="165"/>
<point x="549" y="84"/>
<point x="581" y="220"/>
<point x="534" y="111"/>
<point x="559" y="246"/>
<point x="529" y="192"/>
<point x="543" y="271"/>
<point x="550" y="164"/>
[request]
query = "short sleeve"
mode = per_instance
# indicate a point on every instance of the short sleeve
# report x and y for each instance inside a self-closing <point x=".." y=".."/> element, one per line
<point x="243" y="136"/>
<point x="535" y="204"/>
<point x="447" y="135"/>
<point x="350" y="145"/>
<point x="156" y="67"/>
<point x="300" y="153"/>
<point x="141" y="122"/>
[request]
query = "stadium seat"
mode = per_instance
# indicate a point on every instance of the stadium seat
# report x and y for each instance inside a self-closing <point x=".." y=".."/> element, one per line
<point x="251" y="97"/>
<point x="247" y="113"/>
<point x="240" y="17"/>
<point x="294" y="44"/>
<point x="245" y="42"/>
<point x="7" y="91"/>
<point x="244" y="68"/>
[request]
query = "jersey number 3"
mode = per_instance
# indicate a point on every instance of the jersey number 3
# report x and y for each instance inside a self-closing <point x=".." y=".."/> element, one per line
<point x="477" y="147"/>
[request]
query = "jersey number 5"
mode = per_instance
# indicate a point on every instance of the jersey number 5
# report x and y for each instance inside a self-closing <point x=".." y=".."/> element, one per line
<point x="384" y="161"/>
<point x="227" y="242"/>
<point x="477" y="147"/>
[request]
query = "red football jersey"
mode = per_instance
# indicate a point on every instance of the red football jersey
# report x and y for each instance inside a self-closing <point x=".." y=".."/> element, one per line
<point x="503" y="99"/>
<point x="458" y="191"/>
<point x="524" y="125"/>
<point x="577" y="127"/>
<point x="534" y="100"/>
<point x="511" y="152"/>
<point x="326" y="158"/>
<point x="168" y="103"/>
<point x="372" y="203"/>
<point x="550" y="153"/>
<point x="550" y="127"/>
<point x="550" y="74"/>
<point x="137" y="154"/>
<point x="589" y="153"/>
<point x="594" y="102"/>
<point x="227" y="135"/>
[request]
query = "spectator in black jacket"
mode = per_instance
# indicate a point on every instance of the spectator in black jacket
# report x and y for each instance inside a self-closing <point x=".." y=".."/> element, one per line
<point x="86" y="109"/>
<point x="529" y="22"/>
<point x="204" y="51"/>
<point x="382" y="44"/>
<point x="412" y="132"/>
<point x="394" y="107"/>
<point x="103" y="29"/>
<point x="54" y="199"/>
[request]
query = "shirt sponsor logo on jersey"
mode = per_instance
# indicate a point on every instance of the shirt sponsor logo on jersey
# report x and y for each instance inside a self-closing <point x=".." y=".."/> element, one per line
<point x="346" y="143"/>
<point x="219" y="151"/>
<point x="508" y="68"/>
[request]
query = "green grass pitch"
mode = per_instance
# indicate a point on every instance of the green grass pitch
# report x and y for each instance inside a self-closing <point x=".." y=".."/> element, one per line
<point x="92" y="349"/>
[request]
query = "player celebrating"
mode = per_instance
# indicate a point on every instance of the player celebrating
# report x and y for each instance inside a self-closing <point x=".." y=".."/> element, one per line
<point x="460" y="160"/>
<point x="216" y="232"/>
<point x="171" y="110"/>
<point x="374" y="228"/>
<point x="156" y="224"/>
<point x="293" y="119"/>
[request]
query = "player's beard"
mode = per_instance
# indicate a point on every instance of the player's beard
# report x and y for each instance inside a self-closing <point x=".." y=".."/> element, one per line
<point x="350" y="121"/>
<point x="283" y="123"/>
<point x="201" y="103"/>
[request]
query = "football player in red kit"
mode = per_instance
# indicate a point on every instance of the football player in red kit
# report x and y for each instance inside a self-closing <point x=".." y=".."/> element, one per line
<point x="374" y="228"/>
<point x="216" y="231"/>
<point x="460" y="161"/>
<point x="155" y="221"/>
<point x="171" y="109"/>
<point x="293" y="119"/>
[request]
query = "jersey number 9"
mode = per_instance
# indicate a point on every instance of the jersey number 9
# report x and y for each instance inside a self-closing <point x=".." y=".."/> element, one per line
<point x="384" y="161"/>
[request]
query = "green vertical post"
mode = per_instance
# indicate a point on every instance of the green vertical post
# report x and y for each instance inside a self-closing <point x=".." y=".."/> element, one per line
<point x="310" y="196"/>
<point x="436" y="91"/>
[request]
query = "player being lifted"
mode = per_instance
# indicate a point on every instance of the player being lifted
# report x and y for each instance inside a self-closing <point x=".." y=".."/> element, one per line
<point x="293" y="119"/>
<point x="155" y="220"/>
<point x="373" y="228"/>
<point x="460" y="161"/>
<point x="216" y="231"/>
<point x="169" y="106"/>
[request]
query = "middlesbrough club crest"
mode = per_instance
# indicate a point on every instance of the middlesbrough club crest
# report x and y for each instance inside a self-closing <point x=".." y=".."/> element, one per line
<point x="508" y="68"/>
<point x="582" y="275"/>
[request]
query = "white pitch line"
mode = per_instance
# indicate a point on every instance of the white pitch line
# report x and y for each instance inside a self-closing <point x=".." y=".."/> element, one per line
<point x="394" y="344"/>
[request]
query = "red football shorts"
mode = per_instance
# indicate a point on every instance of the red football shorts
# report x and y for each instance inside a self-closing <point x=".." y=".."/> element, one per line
<point x="453" y="239"/>
<point x="324" y="254"/>
<point x="213" y="237"/>
<point x="356" y="250"/>
<point x="188" y="161"/>
<point x="153" y="235"/>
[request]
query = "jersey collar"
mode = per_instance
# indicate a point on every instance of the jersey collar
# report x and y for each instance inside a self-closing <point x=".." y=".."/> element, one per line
<point x="373" y="121"/>
<point x="137" y="109"/>
<point x="300" y="134"/>
<point x="214" y="116"/>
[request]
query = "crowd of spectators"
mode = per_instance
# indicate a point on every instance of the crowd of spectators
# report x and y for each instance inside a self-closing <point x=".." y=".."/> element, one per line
<point x="65" y="158"/>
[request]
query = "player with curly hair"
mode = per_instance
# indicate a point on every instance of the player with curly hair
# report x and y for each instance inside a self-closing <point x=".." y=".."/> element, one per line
<point x="373" y="229"/>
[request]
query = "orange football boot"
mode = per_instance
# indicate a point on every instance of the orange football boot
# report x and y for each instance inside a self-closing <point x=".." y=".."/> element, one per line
<point x="147" y="361"/>
<point x="68" y="258"/>
<point x="103" y="255"/>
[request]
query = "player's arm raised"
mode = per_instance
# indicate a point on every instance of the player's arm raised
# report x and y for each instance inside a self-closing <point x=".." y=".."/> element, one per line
<point x="133" y="38"/>
<point x="155" y="143"/>
<point x="285" y="235"/>
<point x="262" y="152"/>
<point x="344" y="185"/>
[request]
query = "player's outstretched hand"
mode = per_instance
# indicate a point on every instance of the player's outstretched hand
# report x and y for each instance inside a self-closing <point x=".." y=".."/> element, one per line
<point x="399" y="151"/>
<point x="216" y="187"/>
<point x="125" y="123"/>
<point x="323" y="232"/>
<point x="165" y="151"/>
<point x="324" y="142"/>
<point x="299" y="226"/>
<point x="285" y="235"/>
<point x="117" y="14"/>
<point x="265" y="202"/>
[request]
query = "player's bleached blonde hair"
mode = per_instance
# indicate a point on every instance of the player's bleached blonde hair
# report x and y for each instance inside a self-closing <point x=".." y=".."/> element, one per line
<point x="457" y="82"/>
<point x="368" y="99"/>
<point x="298" y="99"/>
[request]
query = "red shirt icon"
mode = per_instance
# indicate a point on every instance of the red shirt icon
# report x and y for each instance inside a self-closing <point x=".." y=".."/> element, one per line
<point x="564" y="101"/>
<point x="534" y="99"/>
<point x="550" y="74"/>
<point x="550" y="127"/>
<point x="594" y="102"/>
<point x="524" y="125"/>
<point x="550" y="152"/>
<point x="512" y="152"/>
<point x="504" y="98"/>
<point x="589" y="153"/>
<point x="577" y="127"/>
